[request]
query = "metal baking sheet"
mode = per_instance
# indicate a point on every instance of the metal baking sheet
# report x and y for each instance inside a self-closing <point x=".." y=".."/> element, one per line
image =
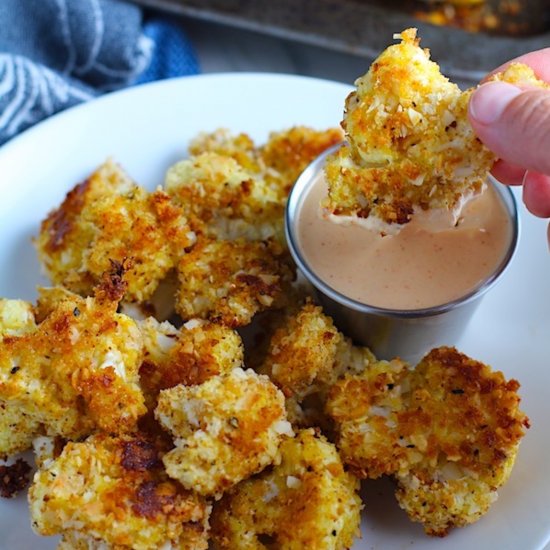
<point x="360" y="28"/>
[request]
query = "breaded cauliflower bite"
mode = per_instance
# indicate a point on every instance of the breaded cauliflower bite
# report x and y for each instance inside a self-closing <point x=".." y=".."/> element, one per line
<point x="112" y="492"/>
<point x="287" y="154"/>
<point x="74" y="370"/>
<point x="279" y="161"/>
<point x="307" y="501"/>
<point x="302" y="350"/>
<point x="448" y="431"/>
<point x="363" y="407"/>
<point x="239" y="147"/>
<point x="225" y="430"/>
<point x="519" y="74"/>
<point x="191" y="355"/>
<point x="110" y="218"/>
<point x="223" y="200"/>
<point x="17" y="429"/>
<point x="410" y="144"/>
<point x="306" y="356"/>
<point x="231" y="281"/>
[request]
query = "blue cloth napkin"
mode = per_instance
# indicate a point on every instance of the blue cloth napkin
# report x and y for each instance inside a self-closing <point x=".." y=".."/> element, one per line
<point x="57" y="53"/>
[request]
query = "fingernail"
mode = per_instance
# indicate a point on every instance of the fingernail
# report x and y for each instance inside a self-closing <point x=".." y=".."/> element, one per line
<point x="489" y="101"/>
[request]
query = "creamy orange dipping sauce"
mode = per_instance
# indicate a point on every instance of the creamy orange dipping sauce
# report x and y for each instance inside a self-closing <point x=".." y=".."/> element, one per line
<point x="416" y="268"/>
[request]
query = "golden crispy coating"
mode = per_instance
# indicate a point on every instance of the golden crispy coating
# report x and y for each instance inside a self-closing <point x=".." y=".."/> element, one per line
<point x="520" y="74"/>
<point x="189" y="356"/>
<point x="225" y="430"/>
<point x="230" y="281"/>
<point x="108" y="217"/>
<point x="223" y="200"/>
<point x="17" y="429"/>
<point x="287" y="154"/>
<point x="308" y="501"/>
<point x="363" y="407"/>
<point x="302" y="350"/>
<point x="466" y="423"/>
<point x="301" y="355"/>
<point x="448" y="430"/>
<point x="306" y="356"/>
<point x="77" y="370"/>
<point x="192" y="538"/>
<point x="451" y="498"/>
<point x="410" y="143"/>
<point x="16" y="318"/>
<point x="279" y="162"/>
<point x="350" y="359"/>
<point x="239" y="147"/>
<point x="113" y="493"/>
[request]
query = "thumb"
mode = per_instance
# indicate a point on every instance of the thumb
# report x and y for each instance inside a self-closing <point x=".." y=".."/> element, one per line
<point x="513" y="123"/>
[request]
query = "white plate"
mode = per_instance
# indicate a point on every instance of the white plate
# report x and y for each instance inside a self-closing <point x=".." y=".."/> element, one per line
<point x="147" y="129"/>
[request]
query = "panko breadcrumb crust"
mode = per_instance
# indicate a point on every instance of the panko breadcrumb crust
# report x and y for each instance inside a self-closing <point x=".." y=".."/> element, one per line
<point x="519" y="74"/>
<point x="230" y="281"/>
<point x="112" y="492"/>
<point x="306" y="355"/>
<point x="280" y="161"/>
<point x="225" y="430"/>
<point x="448" y="430"/>
<point x="307" y="501"/>
<point x="223" y="200"/>
<point x="190" y="355"/>
<point x="71" y="370"/>
<point x="108" y="218"/>
<point x="410" y="144"/>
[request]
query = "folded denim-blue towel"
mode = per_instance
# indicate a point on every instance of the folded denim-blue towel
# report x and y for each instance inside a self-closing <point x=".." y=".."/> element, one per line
<point x="57" y="53"/>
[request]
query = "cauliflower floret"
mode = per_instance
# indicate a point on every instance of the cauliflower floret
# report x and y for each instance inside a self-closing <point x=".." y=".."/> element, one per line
<point x="301" y="354"/>
<point x="109" y="218"/>
<point x="191" y="355"/>
<point x="112" y="493"/>
<point x="364" y="408"/>
<point x="223" y="200"/>
<point x="520" y="74"/>
<point x="279" y="162"/>
<point x="302" y="350"/>
<point x="231" y="281"/>
<point x="16" y="317"/>
<point x="449" y="432"/>
<point x="17" y="429"/>
<point x="225" y="430"/>
<point x="287" y="154"/>
<point x="466" y="423"/>
<point x="239" y="147"/>
<point x="308" y="501"/>
<point x="410" y="143"/>
<point x="78" y="369"/>
<point x="306" y="356"/>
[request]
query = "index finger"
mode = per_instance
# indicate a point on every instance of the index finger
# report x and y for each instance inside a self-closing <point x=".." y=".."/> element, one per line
<point x="539" y="61"/>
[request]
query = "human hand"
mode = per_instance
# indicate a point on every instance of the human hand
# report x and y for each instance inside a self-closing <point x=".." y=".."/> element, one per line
<point x="515" y="124"/>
